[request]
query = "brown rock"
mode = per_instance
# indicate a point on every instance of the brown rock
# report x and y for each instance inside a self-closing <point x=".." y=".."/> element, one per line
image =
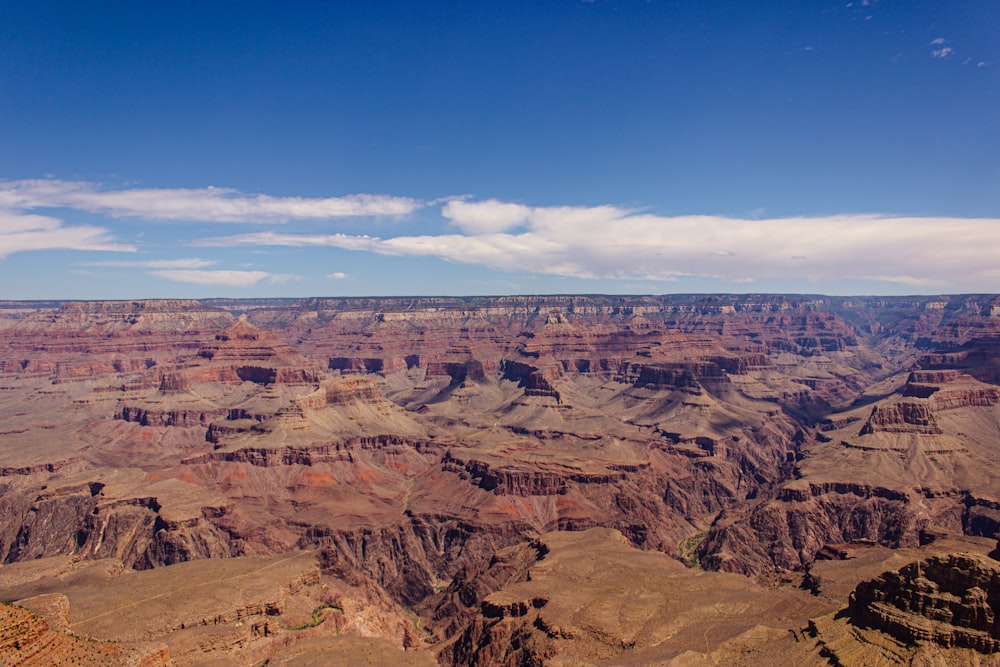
<point x="952" y="601"/>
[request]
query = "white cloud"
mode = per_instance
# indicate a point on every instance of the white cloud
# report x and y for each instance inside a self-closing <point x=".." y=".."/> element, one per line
<point x="20" y="233"/>
<point x="938" y="42"/>
<point x="916" y="281"/>
<point x="281" y="278"/>
<point x="611" y="242"/>
<point x="223" y="278"/>
<point x="192" y="263"/>
<point x="344" y="241"/>
<point x="485" y="216"/>
<point x="21" y="230"/>
<point x="943" y="52"/>
<point x="209" y="204"/>
<point x="337" y="275"/>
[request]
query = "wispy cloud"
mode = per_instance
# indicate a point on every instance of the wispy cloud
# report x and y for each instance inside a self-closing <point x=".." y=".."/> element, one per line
<point x="22" y="232"/>
<point x="192" y="270"/>
<point x="337" y="275"/>
<point x="222" y="278"/>
<point x="192" y="263"/>
<point x="209" y="204"/>
<point x="21" y="229"/>
<point x="612" y="242"/>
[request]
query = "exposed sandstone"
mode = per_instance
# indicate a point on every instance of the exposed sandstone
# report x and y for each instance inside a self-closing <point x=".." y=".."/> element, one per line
<point x="901" y="417"/>
<point x="952" y="601"/>
<point x="26" y="638"/>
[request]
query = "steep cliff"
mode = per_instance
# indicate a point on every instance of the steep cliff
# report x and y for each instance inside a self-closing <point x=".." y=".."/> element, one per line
<point x="950" y="600"/>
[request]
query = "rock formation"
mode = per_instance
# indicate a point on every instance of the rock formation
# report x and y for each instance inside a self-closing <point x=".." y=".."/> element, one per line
<point x="951" y="601"/>
<point x="28" y="638"/>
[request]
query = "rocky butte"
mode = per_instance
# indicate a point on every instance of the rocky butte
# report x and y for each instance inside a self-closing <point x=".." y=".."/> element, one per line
<point x="564" y="480"/>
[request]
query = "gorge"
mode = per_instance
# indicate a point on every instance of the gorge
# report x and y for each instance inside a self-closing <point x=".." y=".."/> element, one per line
<point x="681" y="479"/>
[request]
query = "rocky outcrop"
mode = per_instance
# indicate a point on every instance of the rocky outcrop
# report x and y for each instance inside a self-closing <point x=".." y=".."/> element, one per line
<point x="473" y="582"/>
<point x="340" y="392"/>
<point x="494" y="632"/>
<point x="348" y="365"/>
<point x="535" y="381"/>
<point x="950" y="390"/>
<point x="950" y="600"/>
<point x="186" y="378"/>
<point x="789" y="531"/>
<point x="689" y="377"/>
<point x="901" y="417"/>
<point x="501" y="635"/>
<point x="458" y="371"/>
<point x="179" y="418"/>
<point x="973" y="397"/>
<point x="507" y="480"/>
<point x="81" y="522"/>
<point x="981" y="516"/>
<point x="26" y="638"/>
<point x="406" y="560"/>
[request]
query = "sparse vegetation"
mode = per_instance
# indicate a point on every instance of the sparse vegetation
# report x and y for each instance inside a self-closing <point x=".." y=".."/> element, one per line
<point x="688" y="548"/>
<point x="316" y="618"/>
<point x="418" y="622"/>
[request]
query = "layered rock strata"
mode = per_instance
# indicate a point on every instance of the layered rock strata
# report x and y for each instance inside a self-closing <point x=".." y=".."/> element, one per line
<point x="951" y="601"/>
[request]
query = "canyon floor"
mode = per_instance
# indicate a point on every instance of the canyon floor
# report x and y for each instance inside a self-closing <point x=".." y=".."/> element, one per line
<point x="564" y="480"/>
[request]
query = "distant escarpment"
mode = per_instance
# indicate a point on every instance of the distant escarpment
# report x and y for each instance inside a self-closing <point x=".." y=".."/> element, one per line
<point x="81" y="340"/>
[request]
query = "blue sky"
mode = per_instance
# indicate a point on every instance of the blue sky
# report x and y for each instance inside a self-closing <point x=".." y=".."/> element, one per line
<point x="197" y="149"/>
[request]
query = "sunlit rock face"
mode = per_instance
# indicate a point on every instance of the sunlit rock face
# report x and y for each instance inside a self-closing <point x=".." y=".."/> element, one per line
<point x="951" y="601"/>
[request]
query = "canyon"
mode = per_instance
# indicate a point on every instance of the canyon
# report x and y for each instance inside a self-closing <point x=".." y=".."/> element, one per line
<point x="524" y="480"/>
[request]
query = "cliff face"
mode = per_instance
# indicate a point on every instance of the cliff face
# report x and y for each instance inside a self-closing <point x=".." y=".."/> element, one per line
<point x="786" y="533"/>
<point x="902" y="417"/>
<point x="491" y="381"/>
<point x="951" y="601"/>
<point x="83" y="522"/>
